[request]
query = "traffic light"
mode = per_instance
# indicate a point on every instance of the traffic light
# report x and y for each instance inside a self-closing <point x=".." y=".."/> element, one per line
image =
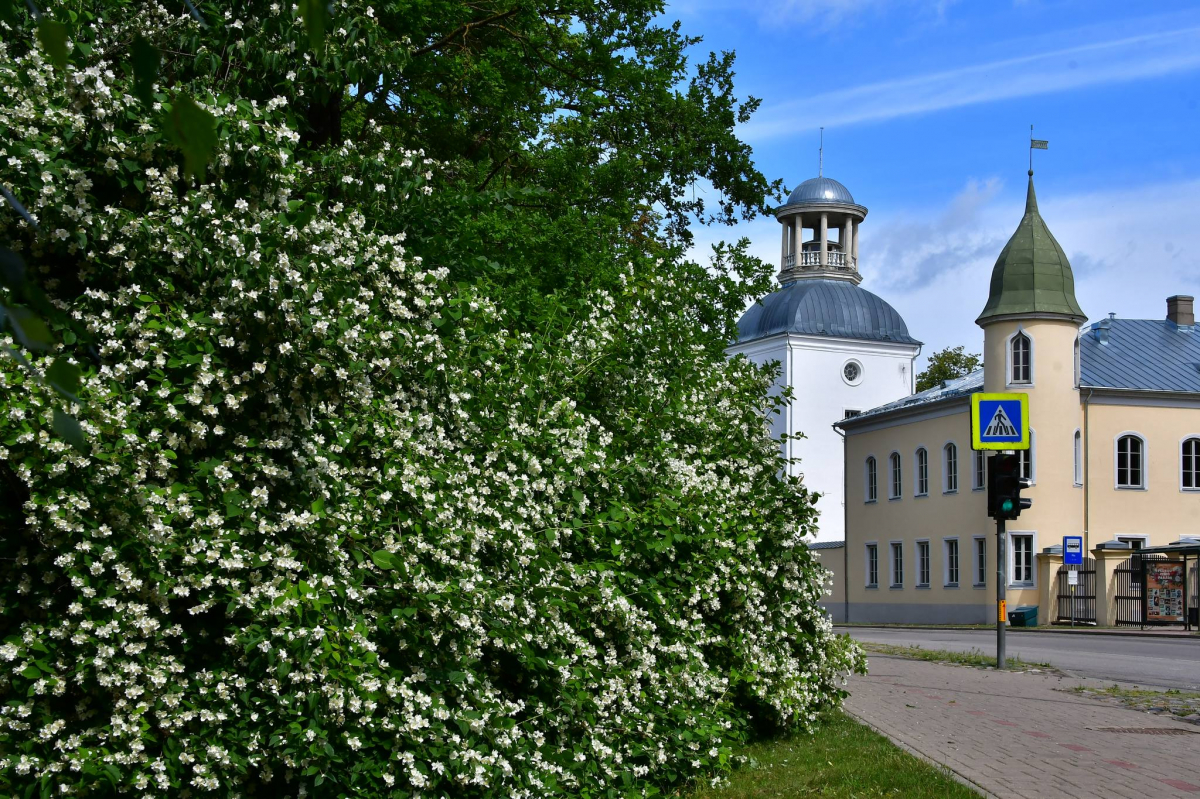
<point x="1005" y="484"/>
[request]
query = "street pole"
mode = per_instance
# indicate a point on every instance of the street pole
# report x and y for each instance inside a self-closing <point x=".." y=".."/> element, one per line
<point x="1001" y="616"/>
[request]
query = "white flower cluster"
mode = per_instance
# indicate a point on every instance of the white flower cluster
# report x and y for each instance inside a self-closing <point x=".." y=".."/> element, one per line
<point x="342" y="522"/>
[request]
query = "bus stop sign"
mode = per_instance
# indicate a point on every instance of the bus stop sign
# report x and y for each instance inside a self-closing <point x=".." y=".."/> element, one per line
<point x="1072" y="550"/>
<point x="999" y="421"/>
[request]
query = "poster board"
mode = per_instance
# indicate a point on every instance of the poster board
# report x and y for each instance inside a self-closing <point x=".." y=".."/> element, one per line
<point x="1164" y="591"/>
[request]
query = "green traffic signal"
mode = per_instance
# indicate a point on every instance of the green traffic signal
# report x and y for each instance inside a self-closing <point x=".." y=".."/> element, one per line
<point x="1006" y="506"/>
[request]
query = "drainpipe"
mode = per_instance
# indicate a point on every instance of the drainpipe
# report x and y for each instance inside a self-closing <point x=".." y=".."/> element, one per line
<point x="1087" y="429"/>
<point x="845" y="534"/>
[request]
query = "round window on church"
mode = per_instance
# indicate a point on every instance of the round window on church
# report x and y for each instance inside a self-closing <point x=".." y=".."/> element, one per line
<point x="852" y="373"/>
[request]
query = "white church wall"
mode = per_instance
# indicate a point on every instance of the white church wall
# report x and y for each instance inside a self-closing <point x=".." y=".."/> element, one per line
<point x="823" y="395"/>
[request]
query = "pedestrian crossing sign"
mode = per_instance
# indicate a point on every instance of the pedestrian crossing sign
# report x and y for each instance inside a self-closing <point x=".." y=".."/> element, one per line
<point x="1000" y="421"/>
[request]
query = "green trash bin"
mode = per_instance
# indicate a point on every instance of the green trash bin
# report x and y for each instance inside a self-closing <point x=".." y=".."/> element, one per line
<point x="1023" y="616"/>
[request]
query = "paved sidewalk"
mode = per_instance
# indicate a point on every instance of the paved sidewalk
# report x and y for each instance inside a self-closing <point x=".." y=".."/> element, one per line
<point x="1012" y="735"/>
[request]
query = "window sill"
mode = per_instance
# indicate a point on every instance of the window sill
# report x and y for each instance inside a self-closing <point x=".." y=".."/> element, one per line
<point x="872" y="587"/>
<point x="871" y="502"/>
<point x="950" y="585"/>
<point x="979" y="488"/>
<point x="1131" y="488"/>
<point x="979" y="585"/>
<point x="896" y="587"/>
<point x="921" y="496"/>
<point x="895" y="499"/>
<point x="923" y="586"/>
<point x="1022" y="585"/>
<point x="951" y="491"/>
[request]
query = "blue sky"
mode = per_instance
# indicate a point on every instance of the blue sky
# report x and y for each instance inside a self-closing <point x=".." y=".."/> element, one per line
<point x="927" y="107"/>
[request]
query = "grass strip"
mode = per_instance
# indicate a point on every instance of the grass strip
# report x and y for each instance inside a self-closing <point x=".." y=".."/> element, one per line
<point x="974" y="657"/>
<point x="841" y="759"/>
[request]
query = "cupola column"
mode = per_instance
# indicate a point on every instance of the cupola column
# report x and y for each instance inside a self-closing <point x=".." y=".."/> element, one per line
<point x="847" y="227"/>
<point x="824" y="239"/>
<point x="797" y="237"/>
<point x="783" y="253"/>
<point x="854" y="239"/>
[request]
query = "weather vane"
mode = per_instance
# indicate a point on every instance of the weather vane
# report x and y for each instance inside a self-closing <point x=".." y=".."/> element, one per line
<point x="821" y="156"/>
<point x="1035" y="144"/>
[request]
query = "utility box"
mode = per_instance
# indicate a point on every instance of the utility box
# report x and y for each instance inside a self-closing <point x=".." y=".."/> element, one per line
<point x="1023" y="616"/>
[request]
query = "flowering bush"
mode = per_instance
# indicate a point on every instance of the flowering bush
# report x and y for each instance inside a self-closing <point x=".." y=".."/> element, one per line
<point x="345" y="523"/>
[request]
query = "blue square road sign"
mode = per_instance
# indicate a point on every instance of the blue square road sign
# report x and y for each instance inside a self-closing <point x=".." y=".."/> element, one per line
<point x="1073" y="550"/>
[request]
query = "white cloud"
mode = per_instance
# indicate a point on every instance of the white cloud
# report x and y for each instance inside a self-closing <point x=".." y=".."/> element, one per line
<point x="1114" y="61"/>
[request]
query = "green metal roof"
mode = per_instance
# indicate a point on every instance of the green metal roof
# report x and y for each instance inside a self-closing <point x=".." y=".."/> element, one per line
<point x="1032" y="274"/>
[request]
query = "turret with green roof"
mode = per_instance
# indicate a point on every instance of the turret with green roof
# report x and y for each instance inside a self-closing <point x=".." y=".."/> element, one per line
<point x="1032" y="276"/>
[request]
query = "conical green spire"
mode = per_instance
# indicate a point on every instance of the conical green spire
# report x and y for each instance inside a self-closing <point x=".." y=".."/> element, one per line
<point x="1032" y="276"/>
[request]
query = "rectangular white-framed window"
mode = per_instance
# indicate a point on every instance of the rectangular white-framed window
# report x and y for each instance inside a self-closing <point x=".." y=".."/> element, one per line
<point x="980" y="561"/>
<point x="850" y="413"/>
<point x="897" y="485"/>
<point x="950" y="561"/>
<point x="897" y="564"/>
<point x="978" y="471"/>
<point x="1135" y="541"/>
<point x="922" y="472"/>
<point x="950" y="468"/>
<point x="1028" y="459"/>
<point x="872" y="564"/>
<point x="872" y="478"/>
<point x="1020" y="560"/>
<point x="922" y="564"/>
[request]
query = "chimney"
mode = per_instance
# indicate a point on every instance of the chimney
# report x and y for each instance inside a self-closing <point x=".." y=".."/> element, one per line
<point x="1179" y="310"/>
<point x="1100" y="330"/>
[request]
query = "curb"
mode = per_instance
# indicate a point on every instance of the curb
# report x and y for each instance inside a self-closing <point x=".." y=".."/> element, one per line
<point x="1171" y="636"/>
<point x="942" y="767"/>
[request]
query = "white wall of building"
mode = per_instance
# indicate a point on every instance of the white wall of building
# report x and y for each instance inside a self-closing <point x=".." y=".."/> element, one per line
<point x="813" y="366"/>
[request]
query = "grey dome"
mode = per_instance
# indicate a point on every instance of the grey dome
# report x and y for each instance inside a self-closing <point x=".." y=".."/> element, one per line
<point x="816" y="307"/>
<point x="821" y="190"/>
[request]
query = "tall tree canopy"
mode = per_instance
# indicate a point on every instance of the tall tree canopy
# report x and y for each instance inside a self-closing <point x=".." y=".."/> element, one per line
<point x="947" y="364"/>
<point x="409" y="460"/>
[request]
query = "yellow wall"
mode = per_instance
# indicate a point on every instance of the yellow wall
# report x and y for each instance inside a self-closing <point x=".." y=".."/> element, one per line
<point x="1163" y="511"/>
<point x="910" y="518"/>
<point x="835" y="602"/>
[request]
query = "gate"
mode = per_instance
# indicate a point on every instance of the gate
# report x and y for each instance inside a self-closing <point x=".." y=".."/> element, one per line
<point x="1080" y="606"/>
<point x="1130" y="594"/>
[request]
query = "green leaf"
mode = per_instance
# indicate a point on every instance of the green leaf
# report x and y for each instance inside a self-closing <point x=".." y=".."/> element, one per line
<point x="384" y="559"/>
<point x="29" y="329"/>
<point x="53" y="36"/>
<point x="63" y="377"/>
<point x="31" y="673"/>
<point x="318" y="506"/>
<point x="193" y="130"/>
<point x="316" y="21"/>
<point x="67" y="427"/>
<point x="146" y="60"/>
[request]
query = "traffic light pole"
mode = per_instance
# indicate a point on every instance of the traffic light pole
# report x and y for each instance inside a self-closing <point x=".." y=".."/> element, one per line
<point x="1001" y="616"/>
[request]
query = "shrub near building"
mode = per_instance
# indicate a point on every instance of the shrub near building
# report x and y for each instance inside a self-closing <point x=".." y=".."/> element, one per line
<point x="343" y="524"/>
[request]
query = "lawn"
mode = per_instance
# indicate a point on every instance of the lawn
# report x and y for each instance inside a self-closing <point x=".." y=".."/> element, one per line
<point x="842" y="759"/>
<point x="974" y="657"/>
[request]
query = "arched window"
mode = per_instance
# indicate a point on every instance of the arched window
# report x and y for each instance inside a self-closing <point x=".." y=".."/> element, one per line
<point x="1190" y="465"/>
<point x="1078" y="459"/>
<point x="922" y="472"/>
<point x="1131" y="462"/>
<point x="872" y="480"/>
<point x="1020" y="360"/>
<point x="897" y="486"/>
<point x="950" y="468"/>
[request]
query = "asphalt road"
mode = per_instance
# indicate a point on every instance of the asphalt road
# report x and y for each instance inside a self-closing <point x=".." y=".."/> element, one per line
<point x="1156" y="662"/>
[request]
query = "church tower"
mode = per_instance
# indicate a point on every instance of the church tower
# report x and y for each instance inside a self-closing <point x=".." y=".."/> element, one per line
<point x="840" y="348"/>
<point x="1030" y="327"/>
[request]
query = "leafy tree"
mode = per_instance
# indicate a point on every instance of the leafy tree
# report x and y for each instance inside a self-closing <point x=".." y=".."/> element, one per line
<point x="947" y="364"/>
<point x="410" y="461"/>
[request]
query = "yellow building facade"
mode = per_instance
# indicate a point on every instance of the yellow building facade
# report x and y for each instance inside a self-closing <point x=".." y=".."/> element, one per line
<point x="1115" y="455"/>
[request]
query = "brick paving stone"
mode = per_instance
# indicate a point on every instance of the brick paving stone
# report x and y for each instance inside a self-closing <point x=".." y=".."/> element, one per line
<point x="1011" y="734"/>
